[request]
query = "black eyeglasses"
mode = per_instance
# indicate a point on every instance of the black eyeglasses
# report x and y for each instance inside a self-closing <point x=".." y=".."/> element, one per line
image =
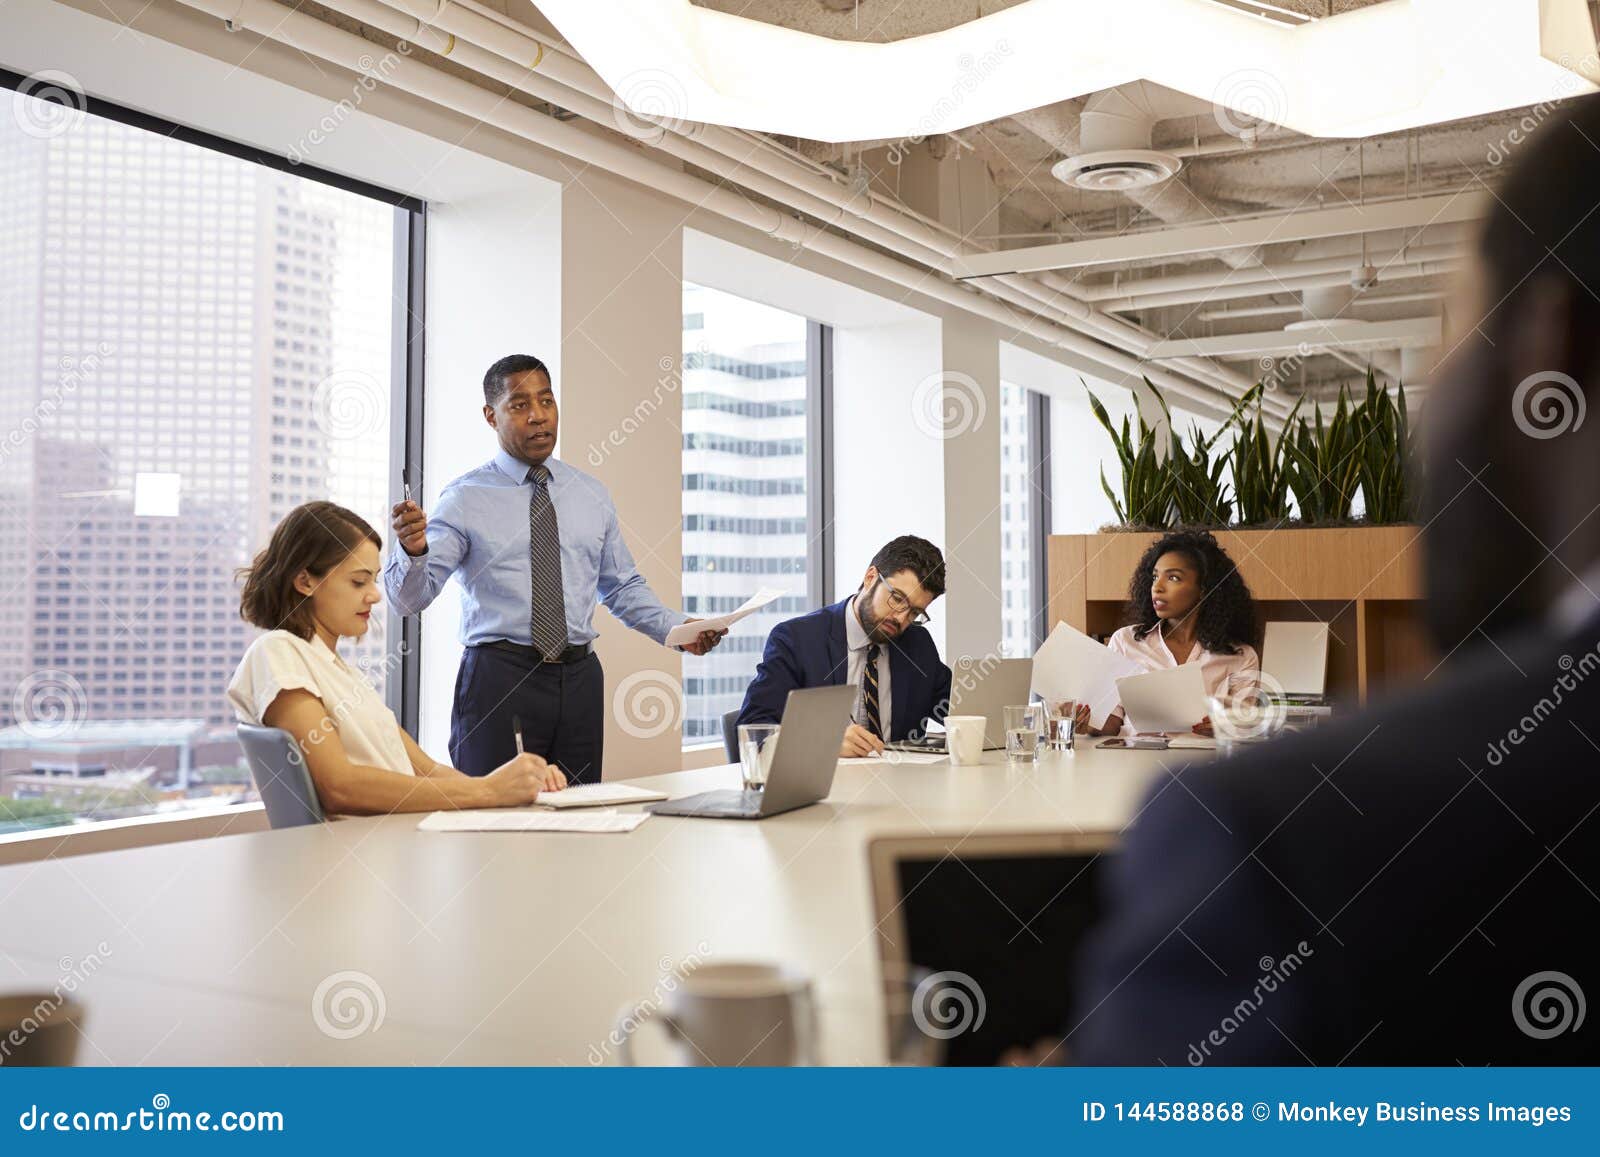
<point x="900" y="605"/>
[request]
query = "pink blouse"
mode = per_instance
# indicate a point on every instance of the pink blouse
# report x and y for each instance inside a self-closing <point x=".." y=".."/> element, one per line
<point x="1226" y="676"/>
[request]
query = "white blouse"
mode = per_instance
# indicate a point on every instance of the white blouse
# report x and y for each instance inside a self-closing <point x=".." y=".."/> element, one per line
<point x="281" y="661"/>
<point x="1225" y="676"/>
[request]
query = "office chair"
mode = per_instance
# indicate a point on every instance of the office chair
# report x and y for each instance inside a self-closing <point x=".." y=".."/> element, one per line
<point x="730" y="734"/>
<point x="281" y="775"/>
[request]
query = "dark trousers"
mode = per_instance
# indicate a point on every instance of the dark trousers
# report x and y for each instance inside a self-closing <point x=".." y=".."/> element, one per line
<point x="561" y="706"/>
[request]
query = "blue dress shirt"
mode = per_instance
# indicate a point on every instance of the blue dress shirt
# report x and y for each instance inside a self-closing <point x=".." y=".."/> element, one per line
<point x="478" y="533"/>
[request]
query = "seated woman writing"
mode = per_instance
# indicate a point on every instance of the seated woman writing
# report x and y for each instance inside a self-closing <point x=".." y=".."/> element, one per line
<point x="1188" y="605"/>
<point x="314" y="584"/>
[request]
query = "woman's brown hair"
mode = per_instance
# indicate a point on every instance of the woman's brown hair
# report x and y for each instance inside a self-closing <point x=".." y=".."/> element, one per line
<point x="314" y="537"/>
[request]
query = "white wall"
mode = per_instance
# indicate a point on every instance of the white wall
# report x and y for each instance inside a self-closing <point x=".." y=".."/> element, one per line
<point x="494" y="288"/>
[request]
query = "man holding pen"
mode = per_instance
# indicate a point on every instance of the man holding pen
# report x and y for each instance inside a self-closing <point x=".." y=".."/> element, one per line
<point x="535" y="544"/>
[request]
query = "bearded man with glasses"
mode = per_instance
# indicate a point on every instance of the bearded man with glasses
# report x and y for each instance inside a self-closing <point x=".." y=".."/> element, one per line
<point x="877" y="641"/>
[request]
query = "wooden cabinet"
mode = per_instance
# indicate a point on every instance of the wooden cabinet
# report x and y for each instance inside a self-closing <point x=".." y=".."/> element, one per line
<point x="1364" y="582"/>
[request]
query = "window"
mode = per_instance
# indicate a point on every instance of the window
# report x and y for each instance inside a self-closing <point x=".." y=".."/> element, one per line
<point x="1024" y="515"/>
<point x="1079" y="451"/>
<point x="750" y="382"/>
<point x="137" y="469"/>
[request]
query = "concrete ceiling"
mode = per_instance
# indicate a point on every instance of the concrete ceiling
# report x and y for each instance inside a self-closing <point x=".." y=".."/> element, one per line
<point x="1002" y="195"/>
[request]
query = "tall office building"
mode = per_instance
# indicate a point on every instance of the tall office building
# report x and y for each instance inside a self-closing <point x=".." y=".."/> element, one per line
<point x="744" y="486"/>
<point x="173" y="379"/>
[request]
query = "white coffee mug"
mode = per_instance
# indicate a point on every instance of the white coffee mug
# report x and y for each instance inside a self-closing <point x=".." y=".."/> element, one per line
<point x="731" y="1014"/>
<point x="963" y="737"/>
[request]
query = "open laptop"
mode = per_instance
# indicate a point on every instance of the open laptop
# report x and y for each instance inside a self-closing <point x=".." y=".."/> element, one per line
<point x="1007" y="683"/>
<point x="802" y="768"/>
<point x="979" y="938"/>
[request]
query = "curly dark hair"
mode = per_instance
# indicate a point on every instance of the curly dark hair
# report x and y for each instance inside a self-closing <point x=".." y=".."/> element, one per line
<point x="1227" y="618"/>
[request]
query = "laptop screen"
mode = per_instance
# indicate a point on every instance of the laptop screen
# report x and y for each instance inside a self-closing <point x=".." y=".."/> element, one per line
<point x="1012" y="923"/>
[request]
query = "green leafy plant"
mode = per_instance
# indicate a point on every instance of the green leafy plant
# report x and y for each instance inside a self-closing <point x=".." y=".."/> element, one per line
<point x="1260" y="476"/>
<point x="1199" y="495"/>
<point x="1147" y="483"/>
<point x="1388" y="455"/>
<point x="1324" y="461"/>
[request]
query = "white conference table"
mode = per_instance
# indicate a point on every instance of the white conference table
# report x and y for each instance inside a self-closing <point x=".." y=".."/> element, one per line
<point x="505" y="948"/>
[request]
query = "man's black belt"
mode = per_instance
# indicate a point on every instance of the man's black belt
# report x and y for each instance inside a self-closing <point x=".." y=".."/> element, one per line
<point x="570" y="655"/>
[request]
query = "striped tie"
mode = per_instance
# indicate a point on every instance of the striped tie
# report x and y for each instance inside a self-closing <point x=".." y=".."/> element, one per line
<point x="549" y="620"/>
<point x="869" y="692"/>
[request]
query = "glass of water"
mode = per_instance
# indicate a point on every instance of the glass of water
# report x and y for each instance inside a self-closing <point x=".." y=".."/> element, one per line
<point x="1022" y="733"/>
<point x="1060" y="723"/>
<point x="757" y="742"/>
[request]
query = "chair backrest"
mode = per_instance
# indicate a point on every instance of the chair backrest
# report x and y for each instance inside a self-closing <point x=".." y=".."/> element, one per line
<point x="730" y="734"/>
<point x="282" y="778"/>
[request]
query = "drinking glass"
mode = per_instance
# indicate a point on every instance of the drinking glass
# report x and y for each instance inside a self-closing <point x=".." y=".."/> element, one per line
<point x="757" y="743"/>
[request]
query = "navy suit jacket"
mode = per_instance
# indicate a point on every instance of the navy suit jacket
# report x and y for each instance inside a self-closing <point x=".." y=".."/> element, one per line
<point x="1416" y="885"/>
<point x="810" y="651"/>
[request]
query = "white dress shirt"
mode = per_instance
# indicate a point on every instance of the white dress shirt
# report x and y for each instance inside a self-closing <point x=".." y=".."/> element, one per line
<point x="855" y="638"/>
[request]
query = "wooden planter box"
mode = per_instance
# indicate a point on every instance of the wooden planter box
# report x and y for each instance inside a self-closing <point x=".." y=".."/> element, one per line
<point x="1365" y="582"/>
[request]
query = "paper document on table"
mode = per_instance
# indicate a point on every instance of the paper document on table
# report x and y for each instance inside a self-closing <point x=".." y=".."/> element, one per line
<point x="689" y="632"/>
<point x="890" y="758"/>
<point x="598" y="795"/>
<point x="1071" y="665"/>
<point x="526" y="821"/>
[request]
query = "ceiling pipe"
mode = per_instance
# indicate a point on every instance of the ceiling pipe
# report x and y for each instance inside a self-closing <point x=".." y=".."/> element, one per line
<point x="272" y="20"/>
<point x="1253" y="311"/>
<point x="1386" y="261"/>
<point x="475" y="41"/>
<point x="1223" y="290"/>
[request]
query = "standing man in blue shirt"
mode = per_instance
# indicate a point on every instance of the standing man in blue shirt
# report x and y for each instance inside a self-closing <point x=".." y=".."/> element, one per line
<point x="534" y="544"/>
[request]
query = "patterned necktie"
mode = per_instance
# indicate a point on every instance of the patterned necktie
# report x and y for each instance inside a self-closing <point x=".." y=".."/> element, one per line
<point x="869" y="692"/>
<point x="549" y="620"/>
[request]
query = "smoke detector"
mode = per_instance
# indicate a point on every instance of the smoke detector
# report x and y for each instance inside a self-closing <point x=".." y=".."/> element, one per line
<point x="1116" y="170"/>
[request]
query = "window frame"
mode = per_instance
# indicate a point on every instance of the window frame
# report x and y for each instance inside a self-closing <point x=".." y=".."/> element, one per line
<point x="407" y="348"/>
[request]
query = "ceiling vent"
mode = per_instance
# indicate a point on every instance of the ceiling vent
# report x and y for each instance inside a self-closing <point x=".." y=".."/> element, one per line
<point x="1114" y="153"/>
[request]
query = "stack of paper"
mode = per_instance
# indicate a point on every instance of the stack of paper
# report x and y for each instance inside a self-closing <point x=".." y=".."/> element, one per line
<point x="598" y="795"/>
<point x="1071" y="665"/>
<point x="525" y="821"/>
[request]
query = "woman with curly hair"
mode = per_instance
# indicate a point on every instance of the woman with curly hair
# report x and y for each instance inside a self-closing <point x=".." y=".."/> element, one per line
<point x="1189" y="605"/>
